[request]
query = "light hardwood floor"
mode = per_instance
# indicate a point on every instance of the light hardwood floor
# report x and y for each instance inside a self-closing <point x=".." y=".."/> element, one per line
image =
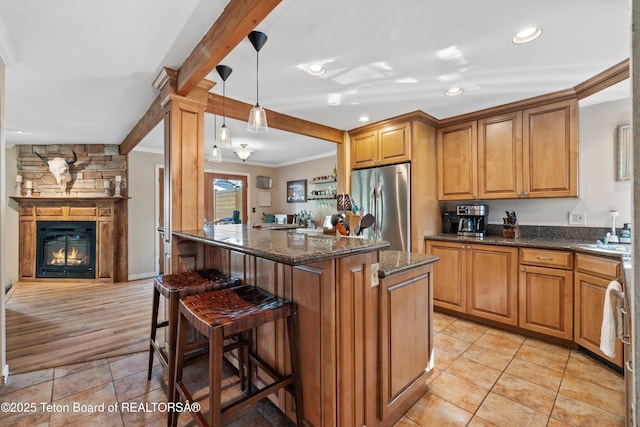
<point x="54" y="324"/>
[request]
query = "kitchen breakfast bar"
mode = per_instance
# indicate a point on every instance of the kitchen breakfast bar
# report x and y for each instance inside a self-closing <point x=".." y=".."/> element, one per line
<point x="365" y="316"/>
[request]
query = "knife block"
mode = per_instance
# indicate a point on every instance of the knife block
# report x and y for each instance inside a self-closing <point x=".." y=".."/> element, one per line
<point x="511" y="231"/>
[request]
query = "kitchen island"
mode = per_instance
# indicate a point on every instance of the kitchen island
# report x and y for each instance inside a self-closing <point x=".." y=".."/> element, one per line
<point x="365" y="333"/>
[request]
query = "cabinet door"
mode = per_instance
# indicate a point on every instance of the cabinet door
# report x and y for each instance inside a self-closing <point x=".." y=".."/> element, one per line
<point x="546" y="301"/>
<point x="27" y="251"/>
<point x="589" y="301"/>
<point x="394" y="144"/>
<point x="364" y="150"/>
<point x="104" y="257"/>
<point x="550" y="150"/>
<point x="500" y="156"/>
<point x="405" y="338"/>
<point x="449" y="275"/>
<point x="492" y="274"/>
<point x="457" y="162"/>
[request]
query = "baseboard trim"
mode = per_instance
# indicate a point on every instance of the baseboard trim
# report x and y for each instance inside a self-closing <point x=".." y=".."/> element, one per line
<point x="141" y="276"/>
<point x="5" y="375"/>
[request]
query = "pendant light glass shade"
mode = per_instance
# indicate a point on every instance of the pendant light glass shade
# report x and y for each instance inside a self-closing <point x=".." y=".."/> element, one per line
<point x="243" y="152"/>
<point x="215" y="155"/>
<point x="257" y="117"/>
<point x="223" y="136"/>
<point x="257" y="120"/>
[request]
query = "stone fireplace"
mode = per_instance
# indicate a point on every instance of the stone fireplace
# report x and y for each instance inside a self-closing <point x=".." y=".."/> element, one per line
<point x="79" y="233"/>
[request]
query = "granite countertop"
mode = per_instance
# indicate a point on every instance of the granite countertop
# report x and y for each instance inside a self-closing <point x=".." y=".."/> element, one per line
<point x="278" y="243"/>
<point x="393" y="262"/>
<point x="575" y="245"/>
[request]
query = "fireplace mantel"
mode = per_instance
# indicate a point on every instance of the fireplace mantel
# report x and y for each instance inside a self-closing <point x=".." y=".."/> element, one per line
<point x="110" y="215"/>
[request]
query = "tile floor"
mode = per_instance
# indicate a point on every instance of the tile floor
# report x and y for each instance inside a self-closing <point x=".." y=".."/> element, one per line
<point x="483" y="377"/>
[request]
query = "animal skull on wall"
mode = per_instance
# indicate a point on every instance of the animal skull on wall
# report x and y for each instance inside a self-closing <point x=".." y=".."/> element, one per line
<point x="59" y="167"/>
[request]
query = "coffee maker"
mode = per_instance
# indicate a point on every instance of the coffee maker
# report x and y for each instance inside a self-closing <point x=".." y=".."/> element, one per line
<point x="472" y="220"/>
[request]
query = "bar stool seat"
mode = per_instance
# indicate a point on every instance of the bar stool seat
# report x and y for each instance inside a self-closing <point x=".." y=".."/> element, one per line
<point x="173" y="287"/>
<point x="219" y="315"/>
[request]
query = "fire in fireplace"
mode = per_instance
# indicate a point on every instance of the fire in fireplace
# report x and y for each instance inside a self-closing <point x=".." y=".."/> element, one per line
<point x="66" y="249"/>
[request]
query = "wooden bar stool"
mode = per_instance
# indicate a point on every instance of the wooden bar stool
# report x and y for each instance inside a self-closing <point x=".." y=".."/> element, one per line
<point x="223" y="313"/>
<point x="173" y="287"/>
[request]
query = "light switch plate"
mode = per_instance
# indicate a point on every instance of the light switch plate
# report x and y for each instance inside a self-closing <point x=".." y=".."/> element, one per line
<point x="374" y="274"/>
<point x="578" y="218"/>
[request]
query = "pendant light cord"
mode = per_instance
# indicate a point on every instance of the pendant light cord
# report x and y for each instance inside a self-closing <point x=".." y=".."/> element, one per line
<point x="257" y="77"/>
<point x="224" y="113"/>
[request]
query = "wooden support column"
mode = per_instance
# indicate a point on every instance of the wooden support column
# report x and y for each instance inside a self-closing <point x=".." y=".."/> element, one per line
<point x="183" y="167"/>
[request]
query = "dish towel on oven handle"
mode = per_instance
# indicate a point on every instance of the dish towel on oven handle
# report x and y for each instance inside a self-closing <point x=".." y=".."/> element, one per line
<point x="611" y="320"/>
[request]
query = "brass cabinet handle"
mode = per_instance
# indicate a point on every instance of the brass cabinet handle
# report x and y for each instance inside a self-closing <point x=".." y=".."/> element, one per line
<point x="544" y="258"/>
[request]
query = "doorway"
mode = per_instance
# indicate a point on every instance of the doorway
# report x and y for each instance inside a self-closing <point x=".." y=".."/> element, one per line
<point x="225" y="198"/>
<point x="223" y="194"/>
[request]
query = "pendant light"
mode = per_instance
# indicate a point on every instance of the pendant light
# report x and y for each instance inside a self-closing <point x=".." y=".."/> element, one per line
<point x="224" y="136"/>
<point x="243" y="152"/>
<point x="215" y="155"/>
<point x="257" y="116"/>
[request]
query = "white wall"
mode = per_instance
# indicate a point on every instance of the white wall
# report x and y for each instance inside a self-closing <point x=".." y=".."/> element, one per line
<point x="598" y="190"/>
<point x="143" y="232"/>
<point x="306" y="170"/>
<point x="11" y="218"/>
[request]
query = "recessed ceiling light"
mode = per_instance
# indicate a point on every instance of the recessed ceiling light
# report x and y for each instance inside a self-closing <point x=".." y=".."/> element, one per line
<point x="315" y="69"/>
<point x="364" y="119"/>
<point x="454" y="91"/>
<point x="15" y="131"/>
<point x="527" y="35"/>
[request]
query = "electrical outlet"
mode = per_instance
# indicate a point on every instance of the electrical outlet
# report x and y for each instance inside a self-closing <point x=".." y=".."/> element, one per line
<point x="578" y="218"/>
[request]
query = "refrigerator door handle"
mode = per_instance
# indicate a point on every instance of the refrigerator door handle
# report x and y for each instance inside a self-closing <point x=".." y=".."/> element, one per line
<point x="377" y="226"/>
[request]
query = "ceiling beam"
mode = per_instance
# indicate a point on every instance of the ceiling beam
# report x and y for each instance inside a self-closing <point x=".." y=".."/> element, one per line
<point x="237" y="20"/>
<point x="240" y="111"/>
<point x="147" y="122"/>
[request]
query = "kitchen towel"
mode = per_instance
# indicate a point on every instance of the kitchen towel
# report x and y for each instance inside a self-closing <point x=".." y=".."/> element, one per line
<point x="610" y="321"/>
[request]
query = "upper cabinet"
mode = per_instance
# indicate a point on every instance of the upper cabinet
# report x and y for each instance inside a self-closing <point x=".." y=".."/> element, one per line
<point x="520" y="154"/>
<point x="457" y="162"/>
<point x="381" y="146"/>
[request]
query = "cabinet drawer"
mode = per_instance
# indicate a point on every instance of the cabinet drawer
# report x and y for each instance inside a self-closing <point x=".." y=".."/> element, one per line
<point x="82" y="211"/>
<point x="50" y="211"/>
<point x="546" y="258"/>
<point x="602" y="267"/>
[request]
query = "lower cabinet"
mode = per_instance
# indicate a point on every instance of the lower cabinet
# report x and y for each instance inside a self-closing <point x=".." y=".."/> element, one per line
<point x="546" y="292"/>
<point x="593" y="275"/>
<point x="406" y="340"/>
<point x="550" y="292"/>
<point x="476" y="279"/>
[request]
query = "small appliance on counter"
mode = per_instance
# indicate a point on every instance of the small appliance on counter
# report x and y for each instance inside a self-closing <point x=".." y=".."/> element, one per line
<point x="449" y="222"/>
<point x="473" y="220"/>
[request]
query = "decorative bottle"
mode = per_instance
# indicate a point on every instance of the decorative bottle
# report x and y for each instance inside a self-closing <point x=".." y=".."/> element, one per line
<point x="625" y="234"/>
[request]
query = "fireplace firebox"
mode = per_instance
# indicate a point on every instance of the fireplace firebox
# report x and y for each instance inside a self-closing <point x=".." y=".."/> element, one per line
<point x="66" y="249"/>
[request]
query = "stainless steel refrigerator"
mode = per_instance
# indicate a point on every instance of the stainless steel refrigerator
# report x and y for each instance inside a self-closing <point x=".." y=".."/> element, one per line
<point x="384" y="192"/>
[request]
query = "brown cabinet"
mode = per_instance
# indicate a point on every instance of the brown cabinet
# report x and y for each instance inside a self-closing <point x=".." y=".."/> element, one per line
<point x="476" y="279"/>
<point x="546" y="292"/>
<point x="550" y="150"/>
<point x="593" y="275"/>
<point x="406" y="339"/>
<point x="457" y="162"/>
<point x="381" y="146"/>
<point x="525" y="153"/>
<point x="449" y="275"/>
<point x="500" y="156"/>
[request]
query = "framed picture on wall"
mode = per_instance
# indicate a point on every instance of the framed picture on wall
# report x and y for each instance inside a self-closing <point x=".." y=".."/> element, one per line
<point x="297" y="191"/>
<point x="624" y="163"/>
